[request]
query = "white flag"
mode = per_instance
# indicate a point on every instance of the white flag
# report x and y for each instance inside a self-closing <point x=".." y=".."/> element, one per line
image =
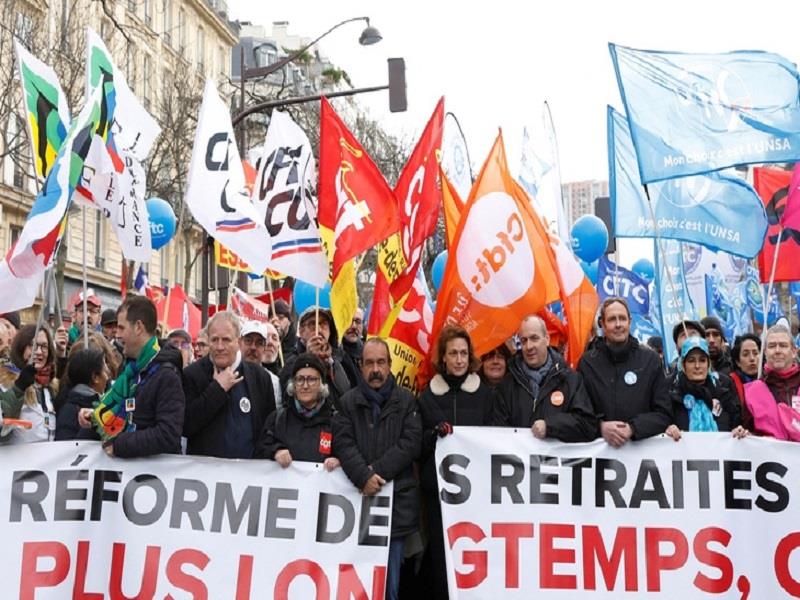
<point x="216" y="192"/>
<point x="284" y="197"/>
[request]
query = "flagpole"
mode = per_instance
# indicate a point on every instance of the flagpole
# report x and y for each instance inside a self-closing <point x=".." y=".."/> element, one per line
<point x="85" y="285"/>
<point x="316" y="310"/>
<point x="166" y="311"/>
<point x="274" y="313"/>
<point x="59" y="320"/>
<point x="40" y="320"/>
<point x="766" y="302"/>
<point x="660" y="248"/>
<point x="616" y="270"/>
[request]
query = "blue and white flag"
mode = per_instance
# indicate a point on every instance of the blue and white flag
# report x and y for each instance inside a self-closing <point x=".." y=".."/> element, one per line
<point x="722" y="212"/>
<point x="613" y="280"/>
<point x="729" y="305"/>
<point x="694" y="113"/>
<point x="755" y="293"/>
<point x="642" y="327"/>
<point x="673" y="293"/>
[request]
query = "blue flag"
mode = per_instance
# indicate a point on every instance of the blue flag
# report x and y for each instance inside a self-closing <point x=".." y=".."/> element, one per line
<point x="721" y="212"/>
<point x="694" y="113"/>
<point x="613" y="280"/>
<point x="642" y="328"/>
<point x="755" y="293"/>
<point x="672" y="291"/>
<point x="728" y="305"/>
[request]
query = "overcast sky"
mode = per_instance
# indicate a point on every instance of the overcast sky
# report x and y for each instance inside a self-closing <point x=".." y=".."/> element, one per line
<point x="495" y="62"/>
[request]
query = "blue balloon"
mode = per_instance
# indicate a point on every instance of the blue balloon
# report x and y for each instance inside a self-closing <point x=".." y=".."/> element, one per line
<point x="590" y="268"/>
<point x="589" y="238"/>
<point x="162" y="222"/>
<point x="437" y="270"/>
<point x="645" y="269"/>
<point x="305" y="296"/>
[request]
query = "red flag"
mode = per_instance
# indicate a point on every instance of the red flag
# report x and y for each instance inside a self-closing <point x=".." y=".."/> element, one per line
<point x="772" y="186"/>
<point x="419" y="198"/>
<point x="355" y="202"/>
<point x="176" y="311"/>
<point x="791" y="214"/>
<point x="381" y="304"/>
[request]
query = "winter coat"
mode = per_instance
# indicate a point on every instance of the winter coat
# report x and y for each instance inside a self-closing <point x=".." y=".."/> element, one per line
<point x="627" y="384"/>
<point x="562" y="402"/>
<point x="67" y="427"/>
<point x="719" y="387"/>
<point x="306" y="438"/>
<point x="723" y="364"/>
<point x="207" y="405"/>
<point x="470" y="404"/>
<point x="159" y="409"/>
<point x="388" y="448"/>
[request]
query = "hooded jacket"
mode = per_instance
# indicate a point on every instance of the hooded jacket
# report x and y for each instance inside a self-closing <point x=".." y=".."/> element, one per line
<point x="562" y="402"/>
<point x="627" y="384"/>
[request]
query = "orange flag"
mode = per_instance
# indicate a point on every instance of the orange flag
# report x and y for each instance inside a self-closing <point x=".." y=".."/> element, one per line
<point x="453" y="206"/>
<point x="357" y="209"/>
<point x="499" y="267"/>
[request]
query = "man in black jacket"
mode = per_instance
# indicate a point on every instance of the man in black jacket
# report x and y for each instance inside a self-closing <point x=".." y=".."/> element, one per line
<point x="227" y="399"/>
<point x="542" y="392"/>
<point x="158" y="405"/>
<point x="625" y="382"/>
<point x="377" y="436"/>
<point x="717" y="345"/>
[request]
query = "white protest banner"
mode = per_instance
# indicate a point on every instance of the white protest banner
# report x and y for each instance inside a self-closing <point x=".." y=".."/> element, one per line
<point x="708" y="516"/>
<point x="78" y="524"/>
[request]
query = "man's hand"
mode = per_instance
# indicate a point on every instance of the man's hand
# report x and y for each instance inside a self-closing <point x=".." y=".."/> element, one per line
<point x="227" y="378"/>
<point x="109" y="448"/>
<point x="60" y="339"/>
<point x="331" y="463"/>
<point x="674" y="432"/>
<point x="616" y="433"/>
<point x="373" y="485"/>
<point x="283" y="457"/>
<point x="539" y="429"/>
<point x="319" y="345"/>
<point x="85" y="418"/>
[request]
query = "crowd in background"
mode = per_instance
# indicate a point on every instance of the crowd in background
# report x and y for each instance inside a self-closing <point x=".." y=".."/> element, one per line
<point x="294" y="389"/>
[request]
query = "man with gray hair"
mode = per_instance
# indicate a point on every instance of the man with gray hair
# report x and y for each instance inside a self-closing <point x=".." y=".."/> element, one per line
<point x="227" y="398"/>
<point x="542" y="392"/>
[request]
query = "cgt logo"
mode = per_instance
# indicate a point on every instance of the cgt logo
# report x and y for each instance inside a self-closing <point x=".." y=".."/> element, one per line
<point x="497" y="263"/>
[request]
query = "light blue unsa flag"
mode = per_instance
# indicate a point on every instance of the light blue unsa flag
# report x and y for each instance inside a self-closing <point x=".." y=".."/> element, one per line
<point x="722" y="212"/>
<point x="673" y="294"/>
<point x="695" y="113"/>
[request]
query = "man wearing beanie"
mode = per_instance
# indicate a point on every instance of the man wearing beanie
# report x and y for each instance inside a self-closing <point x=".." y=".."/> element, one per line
<point x="717" y="346"/>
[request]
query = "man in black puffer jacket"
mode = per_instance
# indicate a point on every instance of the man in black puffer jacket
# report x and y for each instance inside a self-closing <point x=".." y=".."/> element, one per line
<point x="542" y="392"/>
<point x="227" y="399"/>
<point x="625" y="382"/>
<point x="377" y="436"/>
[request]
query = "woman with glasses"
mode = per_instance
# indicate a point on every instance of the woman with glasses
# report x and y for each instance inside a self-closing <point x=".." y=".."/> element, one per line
<point x="455" y="396"/>
<point x="33" y="394"/>
<point x="301" y="428"/>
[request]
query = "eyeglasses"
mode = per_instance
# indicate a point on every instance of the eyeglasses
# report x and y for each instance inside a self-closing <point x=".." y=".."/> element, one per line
<point x="309" y="381"/>
<point x="42" y="347"/>
<point x="94" y="310"/>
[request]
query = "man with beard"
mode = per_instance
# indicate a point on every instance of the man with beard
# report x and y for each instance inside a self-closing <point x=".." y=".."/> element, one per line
<point x="377" y="436"/>
<point x="227" y="398"/>
<point x="717" y="345"/>
<point x="353" y="342"/>
<point x="271" y="357"/>
<point x="254" y="342"/>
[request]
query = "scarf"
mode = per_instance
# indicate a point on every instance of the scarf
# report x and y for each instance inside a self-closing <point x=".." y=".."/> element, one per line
<point x="307" y="413"/>
<point x="537" y="375"/>
<point x="110" y="415"/>
<point x="44" y="375"/>
<point x="454" y="381"/>
<point x="377" y="398"/>
<point x="700" y="417"/>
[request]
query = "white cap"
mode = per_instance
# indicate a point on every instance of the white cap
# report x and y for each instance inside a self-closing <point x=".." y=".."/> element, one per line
<point x="254" y="327"/>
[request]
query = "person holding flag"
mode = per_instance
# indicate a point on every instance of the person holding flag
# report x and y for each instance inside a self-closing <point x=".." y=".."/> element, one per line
<point x="625" y="381"/>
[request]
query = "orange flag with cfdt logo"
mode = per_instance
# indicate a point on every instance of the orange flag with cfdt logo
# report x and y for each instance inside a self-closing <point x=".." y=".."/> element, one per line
<point x="499" y="268"/>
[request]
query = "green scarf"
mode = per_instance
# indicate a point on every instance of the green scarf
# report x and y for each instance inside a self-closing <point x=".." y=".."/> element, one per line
<point x="110" y="414"/>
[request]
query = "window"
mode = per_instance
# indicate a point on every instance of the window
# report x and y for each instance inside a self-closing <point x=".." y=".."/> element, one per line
<point x="148" y="13"/>
<point x="182" y="31"/>
<point x="23" y="28"/>
<point x="132" y="6"/>
<point x="146" y="74"/>
<point x="130" y="66"/>
<point x="168" y="22"/>
<point x="223" y="62"/>
<point x="201" y="51"/>
<point x="15" y="142"/>
<point x="99" y="258"/>
<point x="105" y="31"/>
<point x="15" y="232"/>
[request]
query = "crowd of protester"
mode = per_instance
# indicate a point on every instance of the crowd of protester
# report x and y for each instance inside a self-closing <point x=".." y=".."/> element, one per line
<point x="298" y="391"/>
